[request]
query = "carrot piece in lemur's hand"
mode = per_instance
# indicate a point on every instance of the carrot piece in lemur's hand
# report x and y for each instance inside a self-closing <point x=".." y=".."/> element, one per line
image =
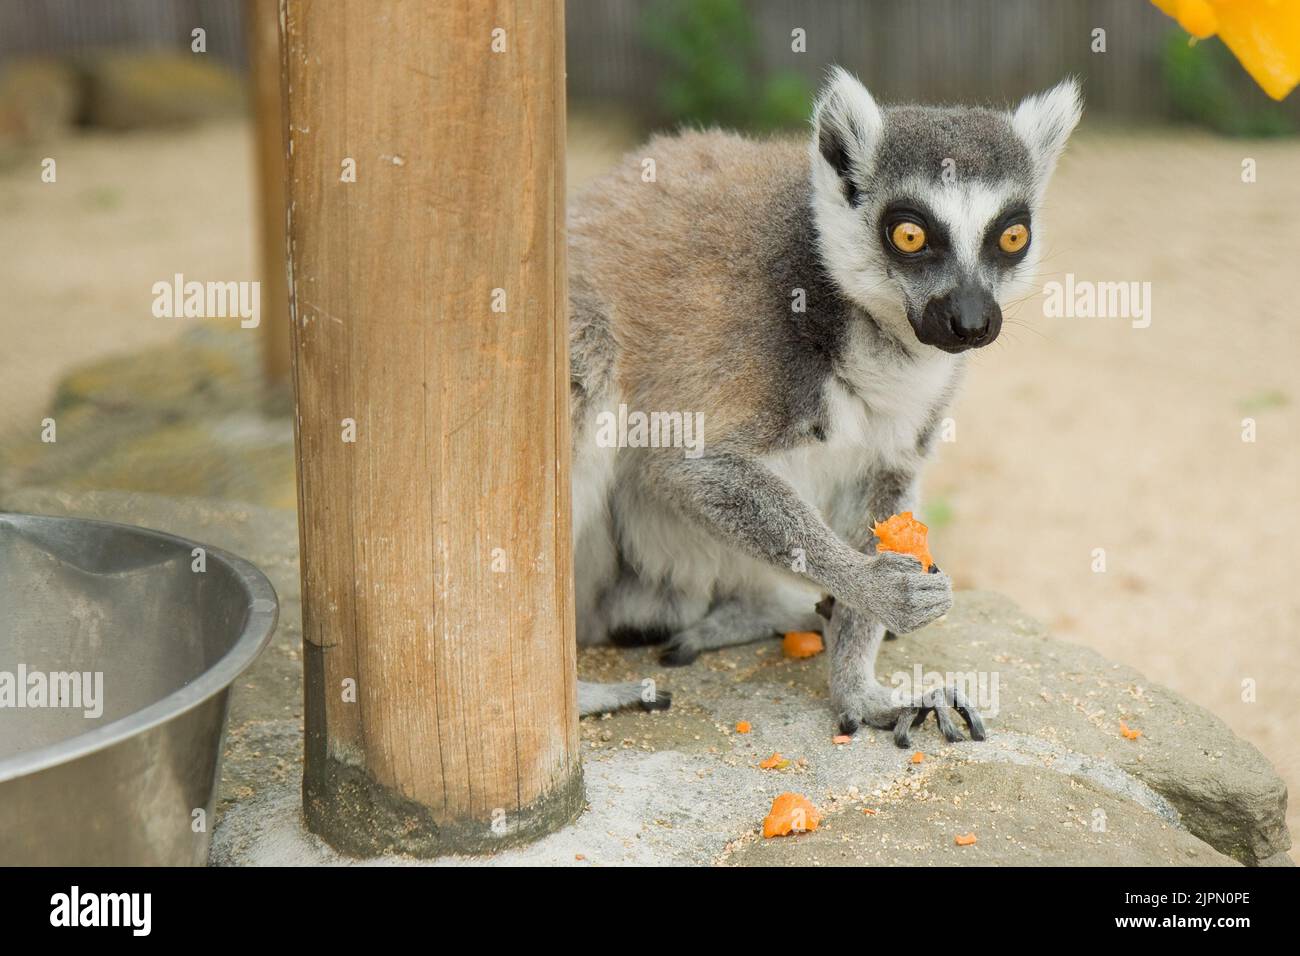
<point x="906" y="535"/>
<point x="791" y="813"/>
<point x="802" y="644"/>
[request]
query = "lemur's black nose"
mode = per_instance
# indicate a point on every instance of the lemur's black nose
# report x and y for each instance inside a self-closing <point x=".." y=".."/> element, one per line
<point x="972" y="312"/>
<point x="965" y="318"/>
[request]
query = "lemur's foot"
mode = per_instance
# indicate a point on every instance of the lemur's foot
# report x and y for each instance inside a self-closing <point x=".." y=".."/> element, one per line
<point x="734" y="622"/>
<point x="877" y="706"/>
<point x="678" y="655"/>
<point x="639" y="636"/>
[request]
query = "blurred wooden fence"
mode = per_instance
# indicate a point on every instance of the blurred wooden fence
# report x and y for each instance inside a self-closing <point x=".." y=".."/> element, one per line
<point x="932" y="50"/>
<point x="73" y="26"/>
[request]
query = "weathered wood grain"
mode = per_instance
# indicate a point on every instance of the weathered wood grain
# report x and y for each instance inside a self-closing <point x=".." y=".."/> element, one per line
<point x="436" y="562"/>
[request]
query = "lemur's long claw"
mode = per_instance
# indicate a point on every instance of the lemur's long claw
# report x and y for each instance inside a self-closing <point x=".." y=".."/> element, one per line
<point x="943" y="701"/>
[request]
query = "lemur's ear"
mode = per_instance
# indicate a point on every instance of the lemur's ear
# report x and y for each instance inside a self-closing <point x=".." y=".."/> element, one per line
<point x="1044" y="121"/>
<point x="846" y="128"/>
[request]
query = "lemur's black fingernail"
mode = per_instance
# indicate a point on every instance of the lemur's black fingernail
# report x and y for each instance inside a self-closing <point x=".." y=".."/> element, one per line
<point x="934" y="569"/>
<point x="825" y="606"/>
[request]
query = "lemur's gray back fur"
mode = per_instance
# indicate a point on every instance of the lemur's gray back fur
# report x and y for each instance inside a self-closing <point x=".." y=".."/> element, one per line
<point x="751" y="282"/>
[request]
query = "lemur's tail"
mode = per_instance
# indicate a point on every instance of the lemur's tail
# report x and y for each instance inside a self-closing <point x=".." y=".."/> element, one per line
<point x="602" y="698"/>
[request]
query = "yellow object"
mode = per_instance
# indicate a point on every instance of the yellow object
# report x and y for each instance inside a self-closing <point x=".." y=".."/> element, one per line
<point x="907" y="237"/>
<point x="1013" y="238"/>
<point x="1264" y="35"/>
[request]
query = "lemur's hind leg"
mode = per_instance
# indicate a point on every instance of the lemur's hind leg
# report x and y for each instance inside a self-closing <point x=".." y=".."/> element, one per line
<point x="737" y="621"/>
<point x="827" y="604"/>
<point x="858" y="698"/>
<point x="596" y="698"/>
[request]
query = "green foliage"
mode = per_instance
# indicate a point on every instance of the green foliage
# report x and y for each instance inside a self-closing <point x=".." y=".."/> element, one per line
<point x="1260" y="401"/>
<point x="710" y="53"/>
<point x="937" y="512"/>
<point x="1205" y="85"/>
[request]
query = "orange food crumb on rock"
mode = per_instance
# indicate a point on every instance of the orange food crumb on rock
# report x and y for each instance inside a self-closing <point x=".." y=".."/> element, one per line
<point x="841" y="739"/>
<point x="774" y="762"/>
<point x="791" y="813"/>
<point x="918" y="757"/>
<point x="964" y="839"/>
<point x="743" y="727"/>
<point x="799" y="644"/>
<point x="906" y="535"/>
<point x="1128" y="732"/>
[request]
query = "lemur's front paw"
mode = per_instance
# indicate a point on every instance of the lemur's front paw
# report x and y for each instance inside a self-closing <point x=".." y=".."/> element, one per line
<point x="877" y="706"/>
<point x="902" y="596"/>
<point x="679" y="653"/>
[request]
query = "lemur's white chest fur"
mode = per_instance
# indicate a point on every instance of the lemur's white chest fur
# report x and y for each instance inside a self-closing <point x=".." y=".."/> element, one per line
<point x="875" y="410"/>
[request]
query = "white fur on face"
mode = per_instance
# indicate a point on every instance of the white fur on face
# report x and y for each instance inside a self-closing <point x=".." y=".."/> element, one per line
<point x="966" y="211"/>
<point x="847" y="236"/>
<point x="856" y="259"/>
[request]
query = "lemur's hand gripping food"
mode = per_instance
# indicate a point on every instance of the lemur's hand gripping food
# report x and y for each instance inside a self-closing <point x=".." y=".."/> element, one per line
<point x="906" y="535"/>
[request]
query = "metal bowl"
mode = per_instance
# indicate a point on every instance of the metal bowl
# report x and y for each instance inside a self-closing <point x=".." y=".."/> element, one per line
<point x="127" y="776"/>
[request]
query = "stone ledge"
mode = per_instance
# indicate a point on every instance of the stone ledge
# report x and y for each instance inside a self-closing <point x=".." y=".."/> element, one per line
<point x="1055" y="783"/>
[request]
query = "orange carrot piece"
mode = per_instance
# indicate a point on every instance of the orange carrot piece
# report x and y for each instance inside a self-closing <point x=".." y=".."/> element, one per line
<point x="800" y="644"/>
<point x="906" y="535"/>
<point x="790" y="813"/>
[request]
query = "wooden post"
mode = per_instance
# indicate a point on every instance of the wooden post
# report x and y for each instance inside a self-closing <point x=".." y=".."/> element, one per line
<point x="262" y="26"/>
<point x="426" y="218"/>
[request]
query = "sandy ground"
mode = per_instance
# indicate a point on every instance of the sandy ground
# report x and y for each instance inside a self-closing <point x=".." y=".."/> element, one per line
<point x="82" y="254"/>
<point x="1071" y="435"/>
<point x="1086" y="433"/>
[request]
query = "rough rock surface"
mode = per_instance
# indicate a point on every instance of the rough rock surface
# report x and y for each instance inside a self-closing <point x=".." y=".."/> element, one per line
<point x="1055" y="783"/>
<point x="135" y="90"/>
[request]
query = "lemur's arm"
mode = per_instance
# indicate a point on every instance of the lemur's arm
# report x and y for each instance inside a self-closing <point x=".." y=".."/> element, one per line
<point x="854" y="638"/>
<point x="876" y="496"/>
<point x="752" y="509"/>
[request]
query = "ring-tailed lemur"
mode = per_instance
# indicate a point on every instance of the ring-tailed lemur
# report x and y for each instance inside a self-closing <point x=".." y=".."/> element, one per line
<point x="814" y="304"/>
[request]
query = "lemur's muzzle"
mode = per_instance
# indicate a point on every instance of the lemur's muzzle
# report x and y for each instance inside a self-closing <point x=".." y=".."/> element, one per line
<point x="968" y="317"/>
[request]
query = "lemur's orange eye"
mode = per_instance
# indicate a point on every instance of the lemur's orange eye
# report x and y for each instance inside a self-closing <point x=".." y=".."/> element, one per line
<point x="1014" y="238"/>
<point x="907" y="237"/>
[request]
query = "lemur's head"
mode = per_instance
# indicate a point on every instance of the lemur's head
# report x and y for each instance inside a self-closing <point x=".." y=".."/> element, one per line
<point x="925" y="215"/>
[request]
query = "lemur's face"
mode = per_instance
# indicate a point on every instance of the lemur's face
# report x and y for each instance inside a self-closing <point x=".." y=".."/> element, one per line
<point x="925" y="215"/>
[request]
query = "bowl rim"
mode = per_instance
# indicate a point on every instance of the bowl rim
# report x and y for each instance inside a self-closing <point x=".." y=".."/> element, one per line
<point x="263" y="611"/>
